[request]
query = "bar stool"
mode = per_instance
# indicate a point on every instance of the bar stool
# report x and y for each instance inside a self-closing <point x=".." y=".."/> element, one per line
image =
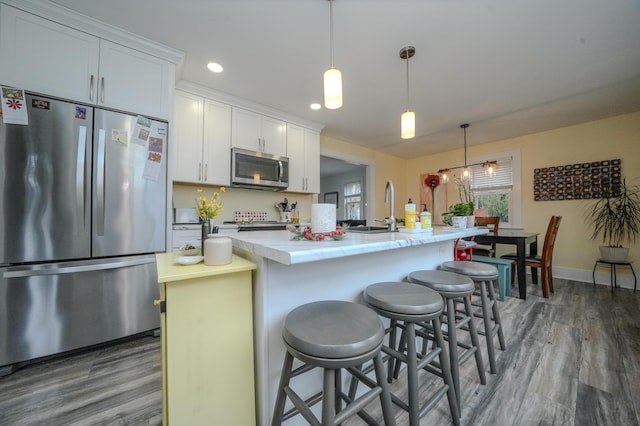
<point x="455" y="288"/>
<point x="414" y="305"/>
<point x="333" y="335"/>
<point x="484" y="275"/>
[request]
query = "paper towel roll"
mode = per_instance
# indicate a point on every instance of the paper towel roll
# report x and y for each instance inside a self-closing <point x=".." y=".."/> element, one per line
<point x="323" y="218"/>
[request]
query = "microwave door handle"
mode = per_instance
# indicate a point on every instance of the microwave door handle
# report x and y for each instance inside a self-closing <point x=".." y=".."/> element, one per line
<point x="281" y="169"/>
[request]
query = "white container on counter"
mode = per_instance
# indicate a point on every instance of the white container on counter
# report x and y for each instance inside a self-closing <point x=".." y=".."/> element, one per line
<point x="217" y="250"/>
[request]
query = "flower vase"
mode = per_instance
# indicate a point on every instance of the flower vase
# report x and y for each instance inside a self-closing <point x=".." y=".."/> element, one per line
<point x="206" y="230"/>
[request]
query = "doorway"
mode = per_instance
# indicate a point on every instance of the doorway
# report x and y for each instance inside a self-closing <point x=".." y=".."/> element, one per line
<point x="348" y="182"/>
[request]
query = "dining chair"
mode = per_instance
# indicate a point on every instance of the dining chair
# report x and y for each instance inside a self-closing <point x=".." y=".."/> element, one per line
<point x="488" y="221"/>
<point x="544" y="261"/>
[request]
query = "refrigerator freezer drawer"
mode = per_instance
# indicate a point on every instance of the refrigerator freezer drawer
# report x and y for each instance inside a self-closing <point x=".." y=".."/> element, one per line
<point x="54" y="308"/>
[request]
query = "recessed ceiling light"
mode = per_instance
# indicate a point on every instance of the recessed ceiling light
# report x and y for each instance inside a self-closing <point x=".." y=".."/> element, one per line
<point x="315" y="106"/>
<point x="214" y="67"/>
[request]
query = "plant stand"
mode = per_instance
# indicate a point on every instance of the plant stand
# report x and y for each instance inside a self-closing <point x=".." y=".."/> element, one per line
<point x="612" y="268"/>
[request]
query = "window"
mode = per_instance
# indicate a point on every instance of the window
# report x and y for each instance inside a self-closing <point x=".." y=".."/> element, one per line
<point x="353" y="200"/>
<point x="499" y="194"/>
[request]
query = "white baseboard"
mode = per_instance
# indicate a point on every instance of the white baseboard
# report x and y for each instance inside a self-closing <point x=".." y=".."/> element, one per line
<point x="602" y="275"/>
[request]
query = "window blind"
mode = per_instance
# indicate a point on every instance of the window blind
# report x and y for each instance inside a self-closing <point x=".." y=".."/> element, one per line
<point x="502" y="180"/>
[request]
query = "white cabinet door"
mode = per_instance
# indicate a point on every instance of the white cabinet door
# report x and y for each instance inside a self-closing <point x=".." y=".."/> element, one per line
<point x="134" y="81"/>
<point x="202" y="134"/>
<point x="312" y="160"/>
<point x="295" y="152"/>
<point x="258" y="132"/>
<point x="303" y="150"/>
<point x="247" y="130"/>
<point x="43" y="56"/>
<point x="188" y="136"/>
<point x="274" y="136"/>
<point x="217" y="143"/>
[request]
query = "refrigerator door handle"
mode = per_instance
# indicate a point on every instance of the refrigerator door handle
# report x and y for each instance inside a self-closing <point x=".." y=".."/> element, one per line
<point x="80" y="171"/>
<point x="75" y="269"/>
<point x="100" y="182"/>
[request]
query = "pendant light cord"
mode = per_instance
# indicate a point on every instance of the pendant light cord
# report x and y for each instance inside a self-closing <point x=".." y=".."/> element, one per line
<point x="407" y="82"/>
<point x="331" y="29"/>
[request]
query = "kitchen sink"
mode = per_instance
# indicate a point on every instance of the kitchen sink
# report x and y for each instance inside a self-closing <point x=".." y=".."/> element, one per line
<point x="369" y="229"/>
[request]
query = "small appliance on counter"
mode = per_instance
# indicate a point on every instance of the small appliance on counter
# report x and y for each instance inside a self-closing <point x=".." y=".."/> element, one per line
<point x="183" y="216"/>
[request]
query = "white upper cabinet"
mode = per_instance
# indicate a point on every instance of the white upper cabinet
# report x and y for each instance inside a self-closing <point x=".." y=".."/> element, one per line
<point x="43" y="56"/>
<point x="258" y="132"/>
<point x="216" y="150"/>
<point x="202" y="140"/>
<point x="188" y="119"/>
<point x="303" y="150"/>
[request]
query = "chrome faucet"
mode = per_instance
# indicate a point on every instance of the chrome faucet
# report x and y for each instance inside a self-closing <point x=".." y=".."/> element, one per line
<point x="389" y="197"/>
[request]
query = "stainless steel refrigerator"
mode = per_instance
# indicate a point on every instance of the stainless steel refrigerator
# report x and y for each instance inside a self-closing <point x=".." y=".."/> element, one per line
<point x="82" y="212"/>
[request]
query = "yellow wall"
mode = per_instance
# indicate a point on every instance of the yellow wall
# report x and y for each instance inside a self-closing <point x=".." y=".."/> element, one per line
<point x="616" y="137"/>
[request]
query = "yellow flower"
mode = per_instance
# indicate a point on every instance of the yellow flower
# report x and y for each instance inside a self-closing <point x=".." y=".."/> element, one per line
<point x="208" y="207"/>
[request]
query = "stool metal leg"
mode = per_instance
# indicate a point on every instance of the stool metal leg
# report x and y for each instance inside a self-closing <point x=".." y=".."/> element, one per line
<point x="412" y="375"/>
<point x="486" y="314"/>
<point x="475" y="341"/>
<point x="385" y="396"/>
<point x="454" y="406"/>
<point x="453" y="347"/>
<point x="329" y="397"/>
<point x="278" y="411"/>
<point x="496" y="316"/>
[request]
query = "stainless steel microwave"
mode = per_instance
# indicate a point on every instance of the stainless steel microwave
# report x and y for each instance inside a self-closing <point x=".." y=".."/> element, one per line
<point x="259" y="170"/>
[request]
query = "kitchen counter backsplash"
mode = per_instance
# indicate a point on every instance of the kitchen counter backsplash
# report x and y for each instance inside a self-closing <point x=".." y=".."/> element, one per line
<point x="245" y="200"/>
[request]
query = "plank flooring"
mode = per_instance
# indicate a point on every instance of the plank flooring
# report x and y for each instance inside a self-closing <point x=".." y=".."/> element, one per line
<point x="573" y="359"/>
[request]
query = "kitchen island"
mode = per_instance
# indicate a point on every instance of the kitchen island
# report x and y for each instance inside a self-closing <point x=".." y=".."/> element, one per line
<point x="291" y="273"/>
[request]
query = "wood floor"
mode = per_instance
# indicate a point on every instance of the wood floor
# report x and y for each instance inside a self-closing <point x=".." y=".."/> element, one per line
<point x="573" y="359"/>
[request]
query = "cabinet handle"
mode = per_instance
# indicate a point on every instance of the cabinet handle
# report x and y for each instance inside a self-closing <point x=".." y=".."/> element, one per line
<point x="102" y="90"/>
<point x="91" y="88"/>
<point x="206" y="169"/>
<point x="199" y="171"/>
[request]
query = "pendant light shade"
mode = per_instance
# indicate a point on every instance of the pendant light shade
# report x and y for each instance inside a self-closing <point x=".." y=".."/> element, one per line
<point x="332" y="88"/>
<point x="408" y="118"/>
<point x="332" y="76"/>
<point x="408" y="125"/>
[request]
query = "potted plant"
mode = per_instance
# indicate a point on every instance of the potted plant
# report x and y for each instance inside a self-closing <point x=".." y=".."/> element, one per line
<point x="465" y="207"/>
<point x="616" y="217"/>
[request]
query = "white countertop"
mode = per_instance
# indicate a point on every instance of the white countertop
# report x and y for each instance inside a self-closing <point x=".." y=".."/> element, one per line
<point x="279" y="246"/>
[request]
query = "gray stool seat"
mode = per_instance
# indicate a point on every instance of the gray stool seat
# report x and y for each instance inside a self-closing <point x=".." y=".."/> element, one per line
<point x="474" y="270"/>
<point x="416" y="311"/>
<point x="319" y="330"/>
<point x="484" y="275"/>
<point x="403" y="300"/>
<point x="448" y="284"/>
<point x="335" y="336"/>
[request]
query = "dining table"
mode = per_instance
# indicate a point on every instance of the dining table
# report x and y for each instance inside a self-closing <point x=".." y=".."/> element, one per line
<point x="520" y="239"/>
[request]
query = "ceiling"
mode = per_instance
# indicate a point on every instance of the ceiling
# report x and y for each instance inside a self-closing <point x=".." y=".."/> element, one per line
<point x="507" y="67"/>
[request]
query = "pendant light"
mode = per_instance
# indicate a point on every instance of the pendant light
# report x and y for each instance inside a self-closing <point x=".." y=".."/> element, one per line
<point x="408" y="118"/>
<point x="466" y="175"/>
<point x="332" y="76"/>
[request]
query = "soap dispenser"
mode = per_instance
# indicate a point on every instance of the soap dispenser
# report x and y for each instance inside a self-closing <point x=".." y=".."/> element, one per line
<point x="425" y="219"/>
<point x="410" y="215"/>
